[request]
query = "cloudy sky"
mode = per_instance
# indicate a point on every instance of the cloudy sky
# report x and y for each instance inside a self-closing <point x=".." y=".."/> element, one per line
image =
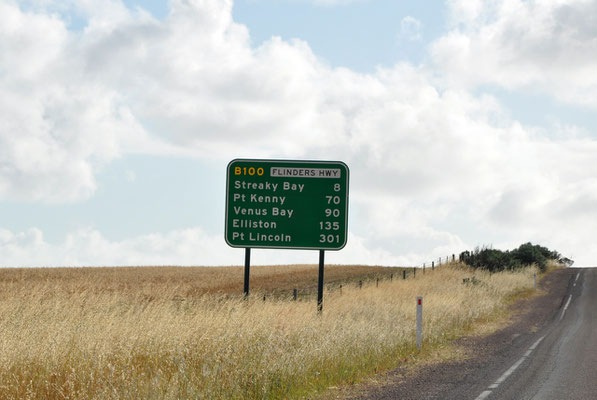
<point x="464" y="123"/>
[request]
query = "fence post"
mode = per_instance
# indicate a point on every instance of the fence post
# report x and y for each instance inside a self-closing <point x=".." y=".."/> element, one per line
<point x="294" y="294"/>
<point x="404" y="274"/>
<point x="414" y="272"/>
<point x="453" y="257"/>
<point x="391" y="277"/>
<point x="377" y="283"/>
<point x="432" y="265"/>
<point x="535" y="281"/>
<point x="423" y="267"/>
<point x="419" y="322"/>
<point x="340" y="289"/>
<point x="360" y="284"/>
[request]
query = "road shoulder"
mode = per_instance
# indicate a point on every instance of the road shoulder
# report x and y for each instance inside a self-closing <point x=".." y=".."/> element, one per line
<point x="476" y="357"/>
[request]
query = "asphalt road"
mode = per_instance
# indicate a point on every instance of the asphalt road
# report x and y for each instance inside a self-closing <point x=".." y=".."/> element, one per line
<point x="549" y="351"/>
<point x="563" y="363"/>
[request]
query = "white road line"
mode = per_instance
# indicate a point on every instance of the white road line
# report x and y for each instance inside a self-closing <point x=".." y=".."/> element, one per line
<point x="484" y="395"/>
<point x="510" y="371"/>
<point x="565" y="307"/>
<point x="534" y="346"/>
<point x="577" y="275"/>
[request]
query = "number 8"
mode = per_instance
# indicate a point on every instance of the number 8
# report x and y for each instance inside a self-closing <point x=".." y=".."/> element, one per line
<point x="337" y="187"/>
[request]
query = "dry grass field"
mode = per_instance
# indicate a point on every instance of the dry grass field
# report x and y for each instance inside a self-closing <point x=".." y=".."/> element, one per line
<point x="180" y="333"/>
<point x="191" y="282"/>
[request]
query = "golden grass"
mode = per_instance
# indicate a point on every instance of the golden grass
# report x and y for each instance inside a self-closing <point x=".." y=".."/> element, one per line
<point x="94" y="334"/>
<point x="189" y="281"/>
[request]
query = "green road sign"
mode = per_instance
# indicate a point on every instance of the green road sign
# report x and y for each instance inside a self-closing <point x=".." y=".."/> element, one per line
<point x="287" y="204"/>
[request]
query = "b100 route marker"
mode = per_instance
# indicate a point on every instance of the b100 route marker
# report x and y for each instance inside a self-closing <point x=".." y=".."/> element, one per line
<point x="287" y="204"/>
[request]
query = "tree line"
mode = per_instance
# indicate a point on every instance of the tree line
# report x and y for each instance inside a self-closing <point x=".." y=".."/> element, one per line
<point x="526" y="254"/>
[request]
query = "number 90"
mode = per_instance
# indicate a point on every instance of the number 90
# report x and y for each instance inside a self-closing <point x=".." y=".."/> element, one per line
<point x="332" y="212"/>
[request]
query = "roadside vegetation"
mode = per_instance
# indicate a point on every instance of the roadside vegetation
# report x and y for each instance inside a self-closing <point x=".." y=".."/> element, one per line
<point x="97" y="334"/>
<point x="526" y="254"/>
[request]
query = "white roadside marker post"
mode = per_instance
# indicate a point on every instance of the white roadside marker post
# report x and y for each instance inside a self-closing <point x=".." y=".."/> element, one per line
<point x="419" y="322"/>
<point x="535" y="281"/>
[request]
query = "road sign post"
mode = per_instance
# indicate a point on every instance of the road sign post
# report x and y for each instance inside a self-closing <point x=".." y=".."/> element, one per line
<point x="283" y="204"/>
<point x="247" y="270"/>
<point x="320" y="282"/>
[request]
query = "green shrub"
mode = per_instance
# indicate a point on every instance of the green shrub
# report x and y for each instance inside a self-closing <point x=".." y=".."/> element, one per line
<point x="498" y="260"/>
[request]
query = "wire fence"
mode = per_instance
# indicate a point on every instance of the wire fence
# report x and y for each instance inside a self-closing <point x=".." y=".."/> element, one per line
<point x="438" y="261"/>
<point x="394" y="273"/>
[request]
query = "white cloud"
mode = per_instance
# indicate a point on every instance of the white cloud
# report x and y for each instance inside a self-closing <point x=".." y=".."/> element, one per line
<point x="88" y="247"/>
<point x="328" y="3"/>
<point x="57" y="123"/>
<point x="410" y="28"/>
<point x="434" y="168"/>
<point x="541" y="45"/>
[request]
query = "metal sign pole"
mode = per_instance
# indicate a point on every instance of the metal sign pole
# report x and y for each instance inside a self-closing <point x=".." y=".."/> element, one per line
<point x="320" y="282"/>
<point x="247" y="270"/>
